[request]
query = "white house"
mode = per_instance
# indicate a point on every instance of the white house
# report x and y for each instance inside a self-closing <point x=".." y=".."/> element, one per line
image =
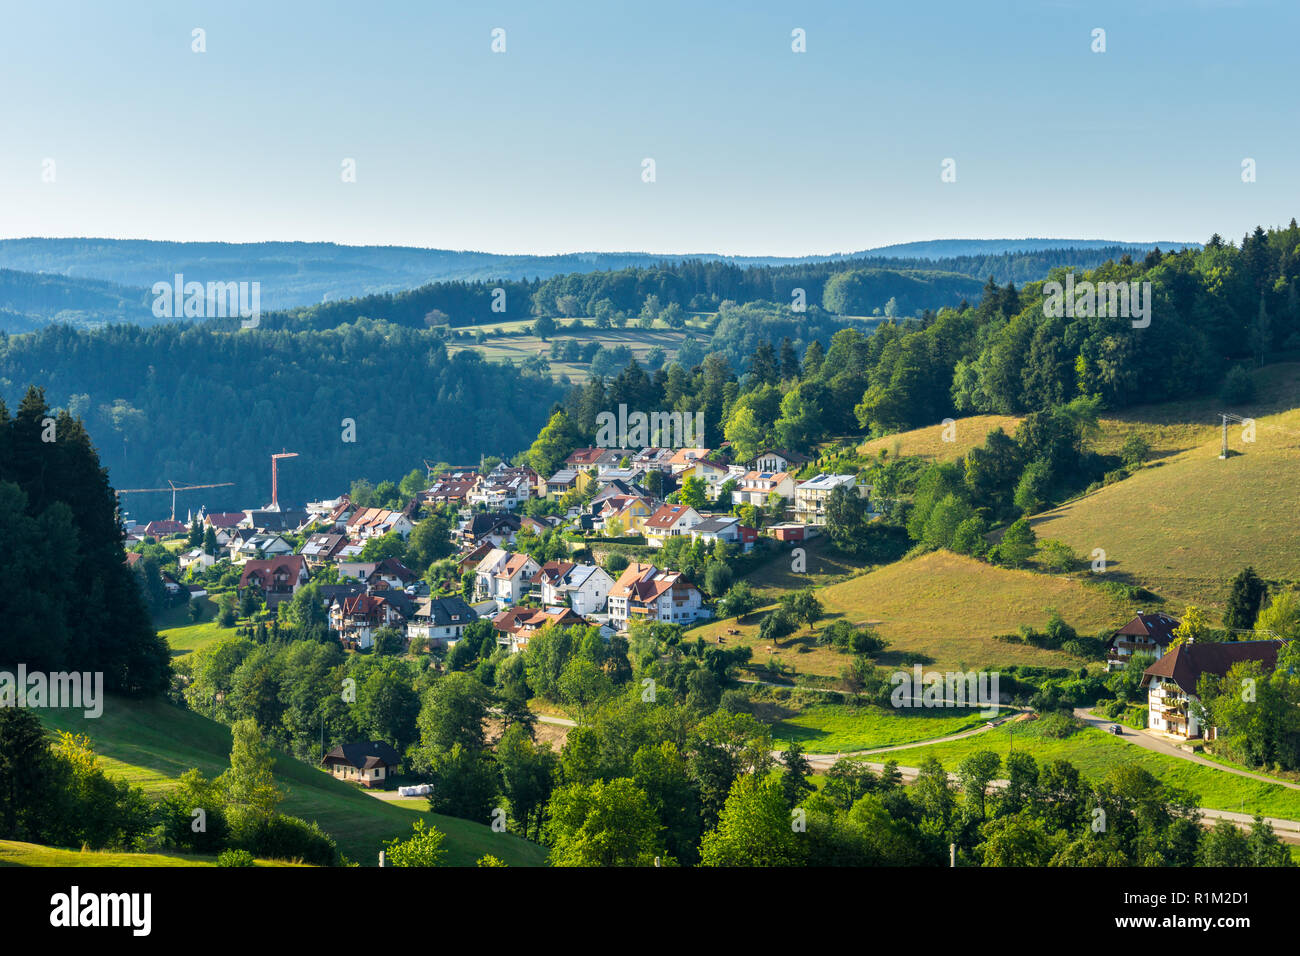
<point x="667" y="522"/>
<point x="440" y="621"/>
<point x="195" y="557"/>
<point x="1171" y="681"/>
<point x="645" y="593"/>
<point x="504" y="577"/>
<point x="778" y="459"/>
<point x="713" y="528"/>
<point x="810" y="496"/>
<point x="754" y="487"/>
<point x="583" y="587"/>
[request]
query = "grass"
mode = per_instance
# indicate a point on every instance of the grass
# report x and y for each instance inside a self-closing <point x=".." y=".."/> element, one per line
<point x="14" y="853"/>
<point x="191" y="637"/>
<point x="150" y="743"/>
<point x="1095" y="753"/>
<point x="836" y="728"/>
<point x="929" y="443"/>
<point x="1184" y="527"/>
<point x="823" y="566"/>
<point x="942" y="605"/>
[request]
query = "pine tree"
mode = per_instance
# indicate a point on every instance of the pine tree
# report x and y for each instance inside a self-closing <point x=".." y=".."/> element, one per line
<point x="1244" y="600"/>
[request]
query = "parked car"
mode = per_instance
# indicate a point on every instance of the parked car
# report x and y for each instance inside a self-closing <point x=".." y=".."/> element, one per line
<point x="1115" y="729"/>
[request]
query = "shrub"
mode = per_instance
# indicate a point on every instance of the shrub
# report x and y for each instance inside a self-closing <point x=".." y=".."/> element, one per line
<point x="281" y="837"/>
<point x="235" y="858"/>
<point x="1238" y="386"/>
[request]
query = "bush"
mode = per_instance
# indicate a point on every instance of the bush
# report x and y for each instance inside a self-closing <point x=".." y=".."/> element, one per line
<point x="1136" y="450"/>
<point x="1057" y="726"/>
<point x="281" y="837"/>
<point x="1238" y="386"/>
<point x="235" y="858"/>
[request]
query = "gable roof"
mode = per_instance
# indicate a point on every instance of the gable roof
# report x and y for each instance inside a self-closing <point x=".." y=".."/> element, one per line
<point x="793" y="457"/>
<point x="223" y="519"/>
<point x="295" y="565"/>
<point x="1185" y="664"/>
<point x="1157" y="625"/>
<point x="667" y="516"/>
<point x="443" y="612"/>
<point x="716" y="523"/>
<point x="364" y="756"/>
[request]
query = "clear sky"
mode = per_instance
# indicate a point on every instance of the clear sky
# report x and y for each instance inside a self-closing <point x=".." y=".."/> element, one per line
<point x="758" y="150"/>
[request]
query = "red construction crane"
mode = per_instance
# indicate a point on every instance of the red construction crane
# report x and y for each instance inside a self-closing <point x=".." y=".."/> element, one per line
<point x="173" y="488"/>
<point x="275" y="490"/>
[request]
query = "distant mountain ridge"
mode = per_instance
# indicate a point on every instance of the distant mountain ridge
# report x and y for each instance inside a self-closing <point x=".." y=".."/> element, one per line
<point x="296" y="274"/>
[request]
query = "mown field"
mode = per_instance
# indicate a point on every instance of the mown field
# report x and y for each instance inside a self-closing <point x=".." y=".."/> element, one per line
<point x="838" y="728"/>
<point x="151" y="743"/>
<point x="945" y="606"/>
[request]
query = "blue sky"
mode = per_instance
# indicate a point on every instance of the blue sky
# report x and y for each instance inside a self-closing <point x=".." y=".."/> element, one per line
<point x="758" y="150"/>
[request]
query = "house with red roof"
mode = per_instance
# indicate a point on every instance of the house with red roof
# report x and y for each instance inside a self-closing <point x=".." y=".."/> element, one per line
<point x="1171" y="681"/>
<point x="643" y="592"/>
<point x="669" y="521"/>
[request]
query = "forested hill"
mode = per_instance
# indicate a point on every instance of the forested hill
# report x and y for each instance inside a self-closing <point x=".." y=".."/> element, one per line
<point x="200" y="406"/>
<point x="31" y="300"/>
<point x="862" y="286"/>
<point x="295" y="274"/>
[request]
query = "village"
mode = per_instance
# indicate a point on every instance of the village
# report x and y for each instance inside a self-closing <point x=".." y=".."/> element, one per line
<point x="598" y="498"/>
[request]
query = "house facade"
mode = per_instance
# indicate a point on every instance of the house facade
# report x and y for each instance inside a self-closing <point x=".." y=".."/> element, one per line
<point x="810" y="496"/>
<point x="667" y="522"/>
<point x="1171" y="681"/>
<point x="369" y="764"/>
<point x="440" y="621"/>
<point x="644" y="592"/>
<point x="1148" y="633"/>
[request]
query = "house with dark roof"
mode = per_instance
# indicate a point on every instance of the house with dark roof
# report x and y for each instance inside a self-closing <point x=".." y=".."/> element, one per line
<point x="440" y="622"/>
<point x="499" y="528"/>
<point x="369" y="763"/>
<point x="357" y="618"/>
<point x="1148" y="633"/>
<point x="1171" y="681"/>
<point x="322" y="548"/>
<point x="778" y="459"/>
<point x="269" y="521"/>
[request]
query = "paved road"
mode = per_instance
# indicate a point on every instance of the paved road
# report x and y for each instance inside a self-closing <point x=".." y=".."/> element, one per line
<point x="1153" y="742"/>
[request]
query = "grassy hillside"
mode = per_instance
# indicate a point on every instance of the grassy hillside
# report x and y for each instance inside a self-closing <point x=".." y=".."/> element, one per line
<point x="1184" y="526"/>
<point x="945" y="606"/>
<point x="151" y="743"/>
<point x="929" y="442"/>
<point x="14" y="853"/>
